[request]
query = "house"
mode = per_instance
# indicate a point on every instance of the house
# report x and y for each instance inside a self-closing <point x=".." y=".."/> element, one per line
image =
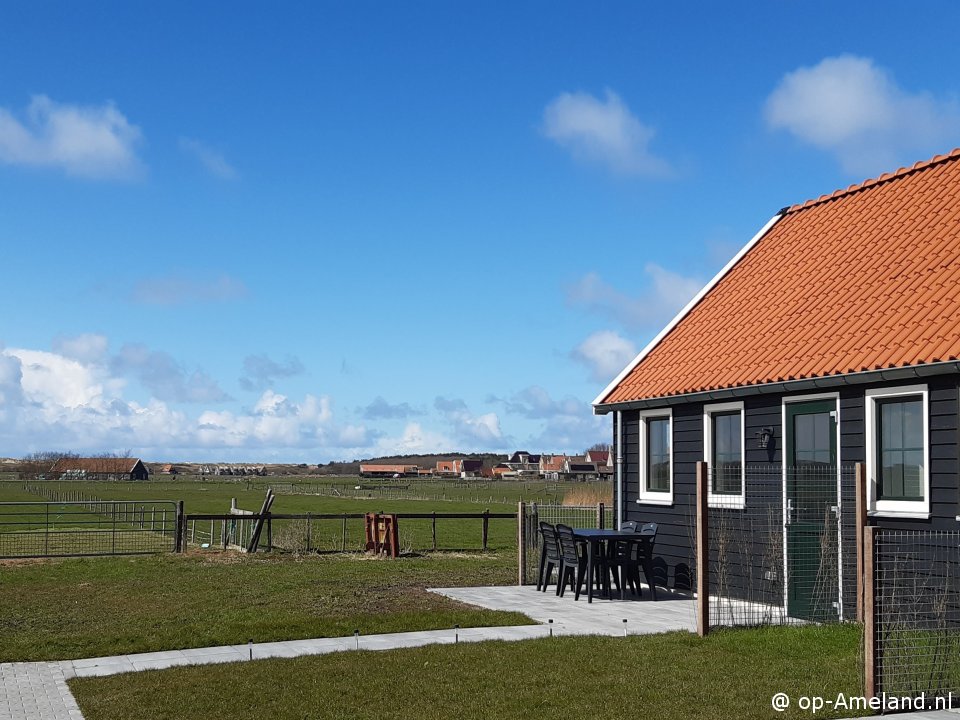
<point x="99" y="468"/>
<point x="386" y="470"/>
<point x="552" y="467"/>
<point x="461" y="467"/>
<point x="831" y="338"/>
<point x="579" y="468"/>
<point x="524" y="464"/>
<point x="169" y="469"/>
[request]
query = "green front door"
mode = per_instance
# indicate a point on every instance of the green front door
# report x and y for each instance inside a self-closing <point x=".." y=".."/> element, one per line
<point x="811" y="516"/>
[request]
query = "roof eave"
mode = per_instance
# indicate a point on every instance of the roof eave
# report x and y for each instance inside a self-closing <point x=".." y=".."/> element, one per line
<point x="789" y="386"/>
<point x="598" y="401"/>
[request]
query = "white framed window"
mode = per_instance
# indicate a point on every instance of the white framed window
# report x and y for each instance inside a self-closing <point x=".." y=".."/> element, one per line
<point x="656" y="457"/>
<point x="898" y="451"/>
<point x="724" y="449"/>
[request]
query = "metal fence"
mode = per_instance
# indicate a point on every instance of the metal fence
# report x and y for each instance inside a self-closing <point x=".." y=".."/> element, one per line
<point x="781" y="544"/>
<point x="576" y="516"/>
<point x="916" y="613"/>
<point x="100" y="527"/>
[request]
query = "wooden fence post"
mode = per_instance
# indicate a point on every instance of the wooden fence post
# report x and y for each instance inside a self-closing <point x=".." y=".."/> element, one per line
<point x="600" y="516"/>
<point x="486" y="527"/>
<point x="870" y="684"/>
<point x="860" y="523"/>
<point x="179" y="528"/>
<point x="434" y="527"/>
<point x="703" y="552"/>
<point x="522" y="543"/>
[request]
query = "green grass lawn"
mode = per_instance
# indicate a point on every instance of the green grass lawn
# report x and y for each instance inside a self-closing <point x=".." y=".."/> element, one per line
<point x="67" y="609"/>
<point x="731" y="674"/>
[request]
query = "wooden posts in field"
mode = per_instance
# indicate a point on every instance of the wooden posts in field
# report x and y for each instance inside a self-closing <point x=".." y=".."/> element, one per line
<point x="521" y="543"/>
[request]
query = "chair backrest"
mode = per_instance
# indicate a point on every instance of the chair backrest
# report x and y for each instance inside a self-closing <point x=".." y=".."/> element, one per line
<point x="629" y="526"/>
<point x="649" y="530"/>
<point x="549" y="534"/>
<point x="567" y="543"/>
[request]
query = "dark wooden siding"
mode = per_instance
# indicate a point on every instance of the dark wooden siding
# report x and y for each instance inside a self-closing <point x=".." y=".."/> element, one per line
<point x="675" y="536"/>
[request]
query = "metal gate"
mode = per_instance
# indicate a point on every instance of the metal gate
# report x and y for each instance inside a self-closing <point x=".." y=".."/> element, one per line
<point x="95" y="527"/>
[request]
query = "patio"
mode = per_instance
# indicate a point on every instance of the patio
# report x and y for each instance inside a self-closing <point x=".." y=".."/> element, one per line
<point x="671" y="611"/>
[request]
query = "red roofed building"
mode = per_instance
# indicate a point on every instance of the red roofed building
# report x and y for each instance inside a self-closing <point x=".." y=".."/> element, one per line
<point x="840" y="318"/>
<point x="106" y="468"/>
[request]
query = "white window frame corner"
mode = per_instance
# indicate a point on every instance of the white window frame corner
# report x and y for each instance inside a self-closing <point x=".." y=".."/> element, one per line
<point x="653" y="497"/>
<point x="725" y="502"/>
<point x="904" y="509"/>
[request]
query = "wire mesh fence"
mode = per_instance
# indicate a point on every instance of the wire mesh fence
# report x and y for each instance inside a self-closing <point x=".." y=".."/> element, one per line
<point x="917" y="613"/>
<point x="575" y="516"/>
<point x="781" y="544"/>
<point x="96" y="527"/>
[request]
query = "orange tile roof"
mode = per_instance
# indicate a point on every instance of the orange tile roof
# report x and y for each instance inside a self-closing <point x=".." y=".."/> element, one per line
<point x="864" y="279"/>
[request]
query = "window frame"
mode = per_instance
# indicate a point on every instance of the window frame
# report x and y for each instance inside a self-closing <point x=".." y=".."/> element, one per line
<point x="915" y="509"/>
<point x="735" y="501"/>
<point x="644" y="495"/>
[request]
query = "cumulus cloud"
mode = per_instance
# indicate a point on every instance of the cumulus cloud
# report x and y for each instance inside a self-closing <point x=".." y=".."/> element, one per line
<point x="212" y="161"/>
<point x="380" y="409"/>
<point x="482" y="431"/>
<point x="605" y="353"/>
<point x="536" y="403"/>
<point x="177" y="289"/>
<point x="664" y="294"/>
<point x="414" y="440"/>
<point x="49" y="400"/>
<point x="90" y="141"/>
<point x="604" y="132"/>
<point x="567" y="423"/>
<point x="87" y="348"/>
<point x="163" y="376"/>
<point x="260" y="372"/>
<point x="849" y="106"/>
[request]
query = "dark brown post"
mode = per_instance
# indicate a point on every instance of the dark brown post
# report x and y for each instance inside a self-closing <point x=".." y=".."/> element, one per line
<point x="269" y="532"/>
<point x="870" y="685"/>
<point x="703" y="552"/>
<point x="521" y="543"/>
<point x="179" y="528"/>
<point x="434" y="523"/>
<point x="309" y="530"/>
<point x="600" y="516"/>
<point x="486" y="527"/>
<point x="860" y="523"/>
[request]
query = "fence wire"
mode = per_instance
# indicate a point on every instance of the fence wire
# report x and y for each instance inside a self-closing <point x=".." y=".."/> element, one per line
<point x="779" y="538"/>
<point x="917" y="612"/>
<point x="100" y="527"/>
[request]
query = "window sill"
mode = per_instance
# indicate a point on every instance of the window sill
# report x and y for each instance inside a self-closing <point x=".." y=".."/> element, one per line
<point x="731" y="502"/>
<point x="666" y="502"/>
<point x="900" y="514"/>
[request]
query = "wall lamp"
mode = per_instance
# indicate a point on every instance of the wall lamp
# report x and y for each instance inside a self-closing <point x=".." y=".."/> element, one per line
<point x="764" y="436"/>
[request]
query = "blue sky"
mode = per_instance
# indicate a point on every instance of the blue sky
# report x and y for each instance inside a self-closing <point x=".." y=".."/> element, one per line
<point x="304" y="232"/>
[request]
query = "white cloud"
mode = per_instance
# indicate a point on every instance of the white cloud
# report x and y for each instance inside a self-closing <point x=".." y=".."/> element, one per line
<point x="477" y="431"/>
<point x="91" y="141"/>
<point x="536" y="403"/>
<point x="414" y="440"/>
<point x="664" y="294"/>
<point x="177" y="289"/>
<point x="260" y="372"/>
<point x="163" y="376"/>
<point x="214" y="162"/>
<point x="849" y="106"/>
<point x="88" y="348"/>
<point x="380" y="409"/>
<point x="567" y="424"/>
<point x="604" y="132"/>
<point x="606" y="353"/>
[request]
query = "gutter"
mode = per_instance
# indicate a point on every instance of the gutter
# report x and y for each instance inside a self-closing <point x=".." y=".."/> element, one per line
<point x="620" y="502"/>
<point x="911" y="372"/>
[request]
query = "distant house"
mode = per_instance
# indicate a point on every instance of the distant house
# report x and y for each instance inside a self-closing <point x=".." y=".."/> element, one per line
<point x="502" y="471"/>
<point x="578" y="468"/>
<point x="524" y="463"/>
<point x="169" y="469"/>
<point x="461" y="467"/>
<point x="385" y="470"/>
<point x="604" y="462"/>
<point x="100" y="469"/>
<point x="552" y="467"/>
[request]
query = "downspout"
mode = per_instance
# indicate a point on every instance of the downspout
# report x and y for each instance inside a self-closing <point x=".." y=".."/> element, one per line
<point x="620" y="500"/>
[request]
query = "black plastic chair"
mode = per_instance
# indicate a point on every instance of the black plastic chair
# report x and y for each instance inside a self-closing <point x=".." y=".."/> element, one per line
<point x="649" y="533"/>
<point x="550" y="558"/>
<point x="573" y="561"/>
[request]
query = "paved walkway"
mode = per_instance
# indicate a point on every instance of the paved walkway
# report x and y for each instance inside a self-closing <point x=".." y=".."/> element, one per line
<point x="38" y="691"/>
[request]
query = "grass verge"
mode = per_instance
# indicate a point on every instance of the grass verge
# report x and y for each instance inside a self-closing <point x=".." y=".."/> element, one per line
<point x="675" y="675"/>
<point x="68" y="609"/>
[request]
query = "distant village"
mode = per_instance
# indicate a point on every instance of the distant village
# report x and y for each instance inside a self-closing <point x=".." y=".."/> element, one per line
<point x="521" y="465"/>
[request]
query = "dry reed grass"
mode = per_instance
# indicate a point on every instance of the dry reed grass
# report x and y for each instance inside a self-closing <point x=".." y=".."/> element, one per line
<point x="589" y="494"/>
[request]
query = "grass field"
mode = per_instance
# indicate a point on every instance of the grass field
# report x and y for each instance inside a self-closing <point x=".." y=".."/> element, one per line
<point x="730" y="674"/>
<point x="66" y="609"/>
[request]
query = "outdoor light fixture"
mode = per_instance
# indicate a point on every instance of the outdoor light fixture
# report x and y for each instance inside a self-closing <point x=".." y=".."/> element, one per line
<point x="764" y="436"/>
